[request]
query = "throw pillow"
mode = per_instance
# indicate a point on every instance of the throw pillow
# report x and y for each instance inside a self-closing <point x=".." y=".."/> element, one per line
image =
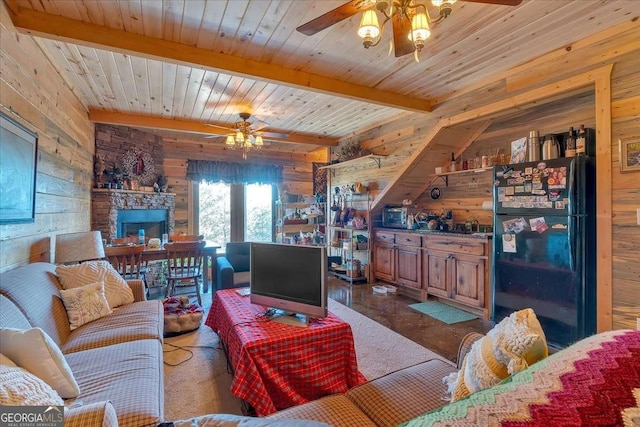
<point x="510" y="347"/>
<point x="85" y="304"/>
<point x="116" y="288"/>
<point x="33" y="350"/>
<point x="19" y="387"/>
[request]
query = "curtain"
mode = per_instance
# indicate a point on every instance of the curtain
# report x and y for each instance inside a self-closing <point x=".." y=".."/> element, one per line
<point x="233" y="173"/>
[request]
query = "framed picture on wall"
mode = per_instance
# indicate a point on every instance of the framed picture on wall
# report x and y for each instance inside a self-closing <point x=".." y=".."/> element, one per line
<point x="18" y="154"/>
<point x="629" y="154"/>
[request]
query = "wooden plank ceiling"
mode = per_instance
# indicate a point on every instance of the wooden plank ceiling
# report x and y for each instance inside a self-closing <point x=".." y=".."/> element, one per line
<point x="177" y="65"/>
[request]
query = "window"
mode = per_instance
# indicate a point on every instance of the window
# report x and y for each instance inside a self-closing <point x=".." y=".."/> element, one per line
<point x="214" y="213"/>
<point x="258" y="213"/>
<point x="230" y="213"/>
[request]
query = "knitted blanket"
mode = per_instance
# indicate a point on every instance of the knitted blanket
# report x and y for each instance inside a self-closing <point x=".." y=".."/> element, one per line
<point x="595" y="382"/>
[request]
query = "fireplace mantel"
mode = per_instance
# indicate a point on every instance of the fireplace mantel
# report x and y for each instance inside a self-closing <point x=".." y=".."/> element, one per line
<point x="105" y="204"/>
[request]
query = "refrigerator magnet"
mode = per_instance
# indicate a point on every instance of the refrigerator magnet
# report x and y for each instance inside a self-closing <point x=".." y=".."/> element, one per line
<point x="554" y="195"/>
<point x="538" y="224"/>
<point x="509" y="243"/>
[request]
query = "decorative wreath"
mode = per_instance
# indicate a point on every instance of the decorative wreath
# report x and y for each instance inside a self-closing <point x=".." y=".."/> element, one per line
<point x="139" y="164"/>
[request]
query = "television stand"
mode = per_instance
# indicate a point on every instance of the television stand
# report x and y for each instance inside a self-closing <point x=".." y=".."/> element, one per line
<point x="293" y="319"/>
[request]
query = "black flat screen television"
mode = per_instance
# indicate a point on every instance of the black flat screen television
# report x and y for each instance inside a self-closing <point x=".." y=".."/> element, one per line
<point x="290" y="278"/>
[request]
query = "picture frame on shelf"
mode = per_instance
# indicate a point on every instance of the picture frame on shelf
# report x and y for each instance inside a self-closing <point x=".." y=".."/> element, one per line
<point x="629" y="149"/>
<point x="18" y="160"/>
<point x="518" y="150"/>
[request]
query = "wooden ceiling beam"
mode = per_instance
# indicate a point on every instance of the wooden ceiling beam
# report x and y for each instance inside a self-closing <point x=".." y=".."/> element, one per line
<point x="46" y="25"/>
<point x="192" y="126"/>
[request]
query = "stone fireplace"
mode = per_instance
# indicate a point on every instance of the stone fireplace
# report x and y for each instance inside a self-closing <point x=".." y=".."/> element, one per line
<point x="121" y="213"/>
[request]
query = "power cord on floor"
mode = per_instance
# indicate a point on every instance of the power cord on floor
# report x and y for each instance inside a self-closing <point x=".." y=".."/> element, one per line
<point x="184" y="348"/>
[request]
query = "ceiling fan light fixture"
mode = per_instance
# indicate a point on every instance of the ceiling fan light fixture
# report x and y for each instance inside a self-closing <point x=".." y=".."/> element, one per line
<point x="231" y="141"/>
<point x="259" y="142"/>
<point x="438" y="3"/>
<point x="419" y="30"/>
<point x="369" y="28"/>
<point x="239" y="136"/>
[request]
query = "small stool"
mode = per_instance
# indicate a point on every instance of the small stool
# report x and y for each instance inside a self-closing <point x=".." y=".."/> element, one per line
<point x="180" y="316"/>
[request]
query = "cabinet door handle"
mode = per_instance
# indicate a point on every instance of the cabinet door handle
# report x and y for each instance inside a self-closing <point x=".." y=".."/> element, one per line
<point x="451" y="256"/>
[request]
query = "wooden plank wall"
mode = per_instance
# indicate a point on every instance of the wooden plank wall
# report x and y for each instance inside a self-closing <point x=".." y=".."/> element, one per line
<point x="32" y="93"/>
<point x="399" y="139"/>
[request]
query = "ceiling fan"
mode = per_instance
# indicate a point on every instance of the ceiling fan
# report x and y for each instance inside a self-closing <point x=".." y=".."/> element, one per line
<point x="410" y="20"/>
<point x="244" y="136"/>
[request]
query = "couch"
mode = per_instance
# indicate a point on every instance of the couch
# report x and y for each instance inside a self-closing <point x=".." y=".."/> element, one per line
<point x="594" y="382"/>
<point x="232" y="269"/>
<point x="116" y="360"/>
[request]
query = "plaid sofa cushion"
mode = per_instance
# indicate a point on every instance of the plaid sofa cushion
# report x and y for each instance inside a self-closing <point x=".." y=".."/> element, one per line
<point x="337" y="411"/>
<point x="129" y="374"/>
<point x="402" y="395"/>
<point x="139" y="320"/>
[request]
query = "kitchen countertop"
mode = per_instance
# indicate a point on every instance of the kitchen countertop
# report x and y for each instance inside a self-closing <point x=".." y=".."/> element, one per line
<point x="439" y="233"/>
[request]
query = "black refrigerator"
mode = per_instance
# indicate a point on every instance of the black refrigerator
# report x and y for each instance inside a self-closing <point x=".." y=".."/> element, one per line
<point x="544" y="243"/>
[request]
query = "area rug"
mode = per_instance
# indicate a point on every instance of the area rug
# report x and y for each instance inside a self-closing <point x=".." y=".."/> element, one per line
<point x="442" y="312"/>
<point x="200" y="384"/>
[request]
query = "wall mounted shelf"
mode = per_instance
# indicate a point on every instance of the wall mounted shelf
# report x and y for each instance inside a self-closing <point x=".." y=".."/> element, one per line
<point x="445" y="175"/>
<point x="377" y="158"/>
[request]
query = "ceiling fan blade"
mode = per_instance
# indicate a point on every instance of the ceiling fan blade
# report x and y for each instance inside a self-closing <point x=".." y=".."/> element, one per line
<point x="334" y="16"/>
<point x="401" y="28"/>
<point x="502" y="2"/>
<point x="274" y="135"/>
<point x="220" y="126"/>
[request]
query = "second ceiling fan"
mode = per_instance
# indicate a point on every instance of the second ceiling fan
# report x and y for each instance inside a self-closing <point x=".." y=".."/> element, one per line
<point x="410" y="20"/>
<point x="243" y="135"/>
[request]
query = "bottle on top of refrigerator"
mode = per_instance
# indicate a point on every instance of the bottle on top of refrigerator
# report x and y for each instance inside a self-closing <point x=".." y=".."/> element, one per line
<point x="581" y="142"/>
<point x="570" y="145"/>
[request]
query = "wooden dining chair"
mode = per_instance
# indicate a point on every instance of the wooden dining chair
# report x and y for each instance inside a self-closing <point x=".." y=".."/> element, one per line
<point x="127" y="260"/>
<point x="186" y="237"/>
<point x="184" y="264"/>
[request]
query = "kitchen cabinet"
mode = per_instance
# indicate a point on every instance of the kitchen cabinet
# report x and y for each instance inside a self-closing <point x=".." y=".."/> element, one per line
<point x="453" y="267"/>
<point x="409" y="260"/>
<point x="437" y="273"/>
<point x="384" y="258"/>
<point x="397" y="259"/>
<point x="457" y="269"/>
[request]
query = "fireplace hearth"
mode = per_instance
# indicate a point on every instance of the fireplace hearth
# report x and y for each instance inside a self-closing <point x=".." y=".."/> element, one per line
<point x="153" y="221"/>
<point x="121" y="213"/>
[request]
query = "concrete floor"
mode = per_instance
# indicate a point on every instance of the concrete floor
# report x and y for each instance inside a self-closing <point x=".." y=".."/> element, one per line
<point x="392" y="311"/>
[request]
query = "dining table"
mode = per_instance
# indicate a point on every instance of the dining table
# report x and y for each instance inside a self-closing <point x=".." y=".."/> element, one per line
<point x="210" y="252"/>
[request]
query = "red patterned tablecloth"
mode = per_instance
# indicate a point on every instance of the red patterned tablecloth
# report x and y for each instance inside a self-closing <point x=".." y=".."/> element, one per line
<point x="277" y="366"/>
